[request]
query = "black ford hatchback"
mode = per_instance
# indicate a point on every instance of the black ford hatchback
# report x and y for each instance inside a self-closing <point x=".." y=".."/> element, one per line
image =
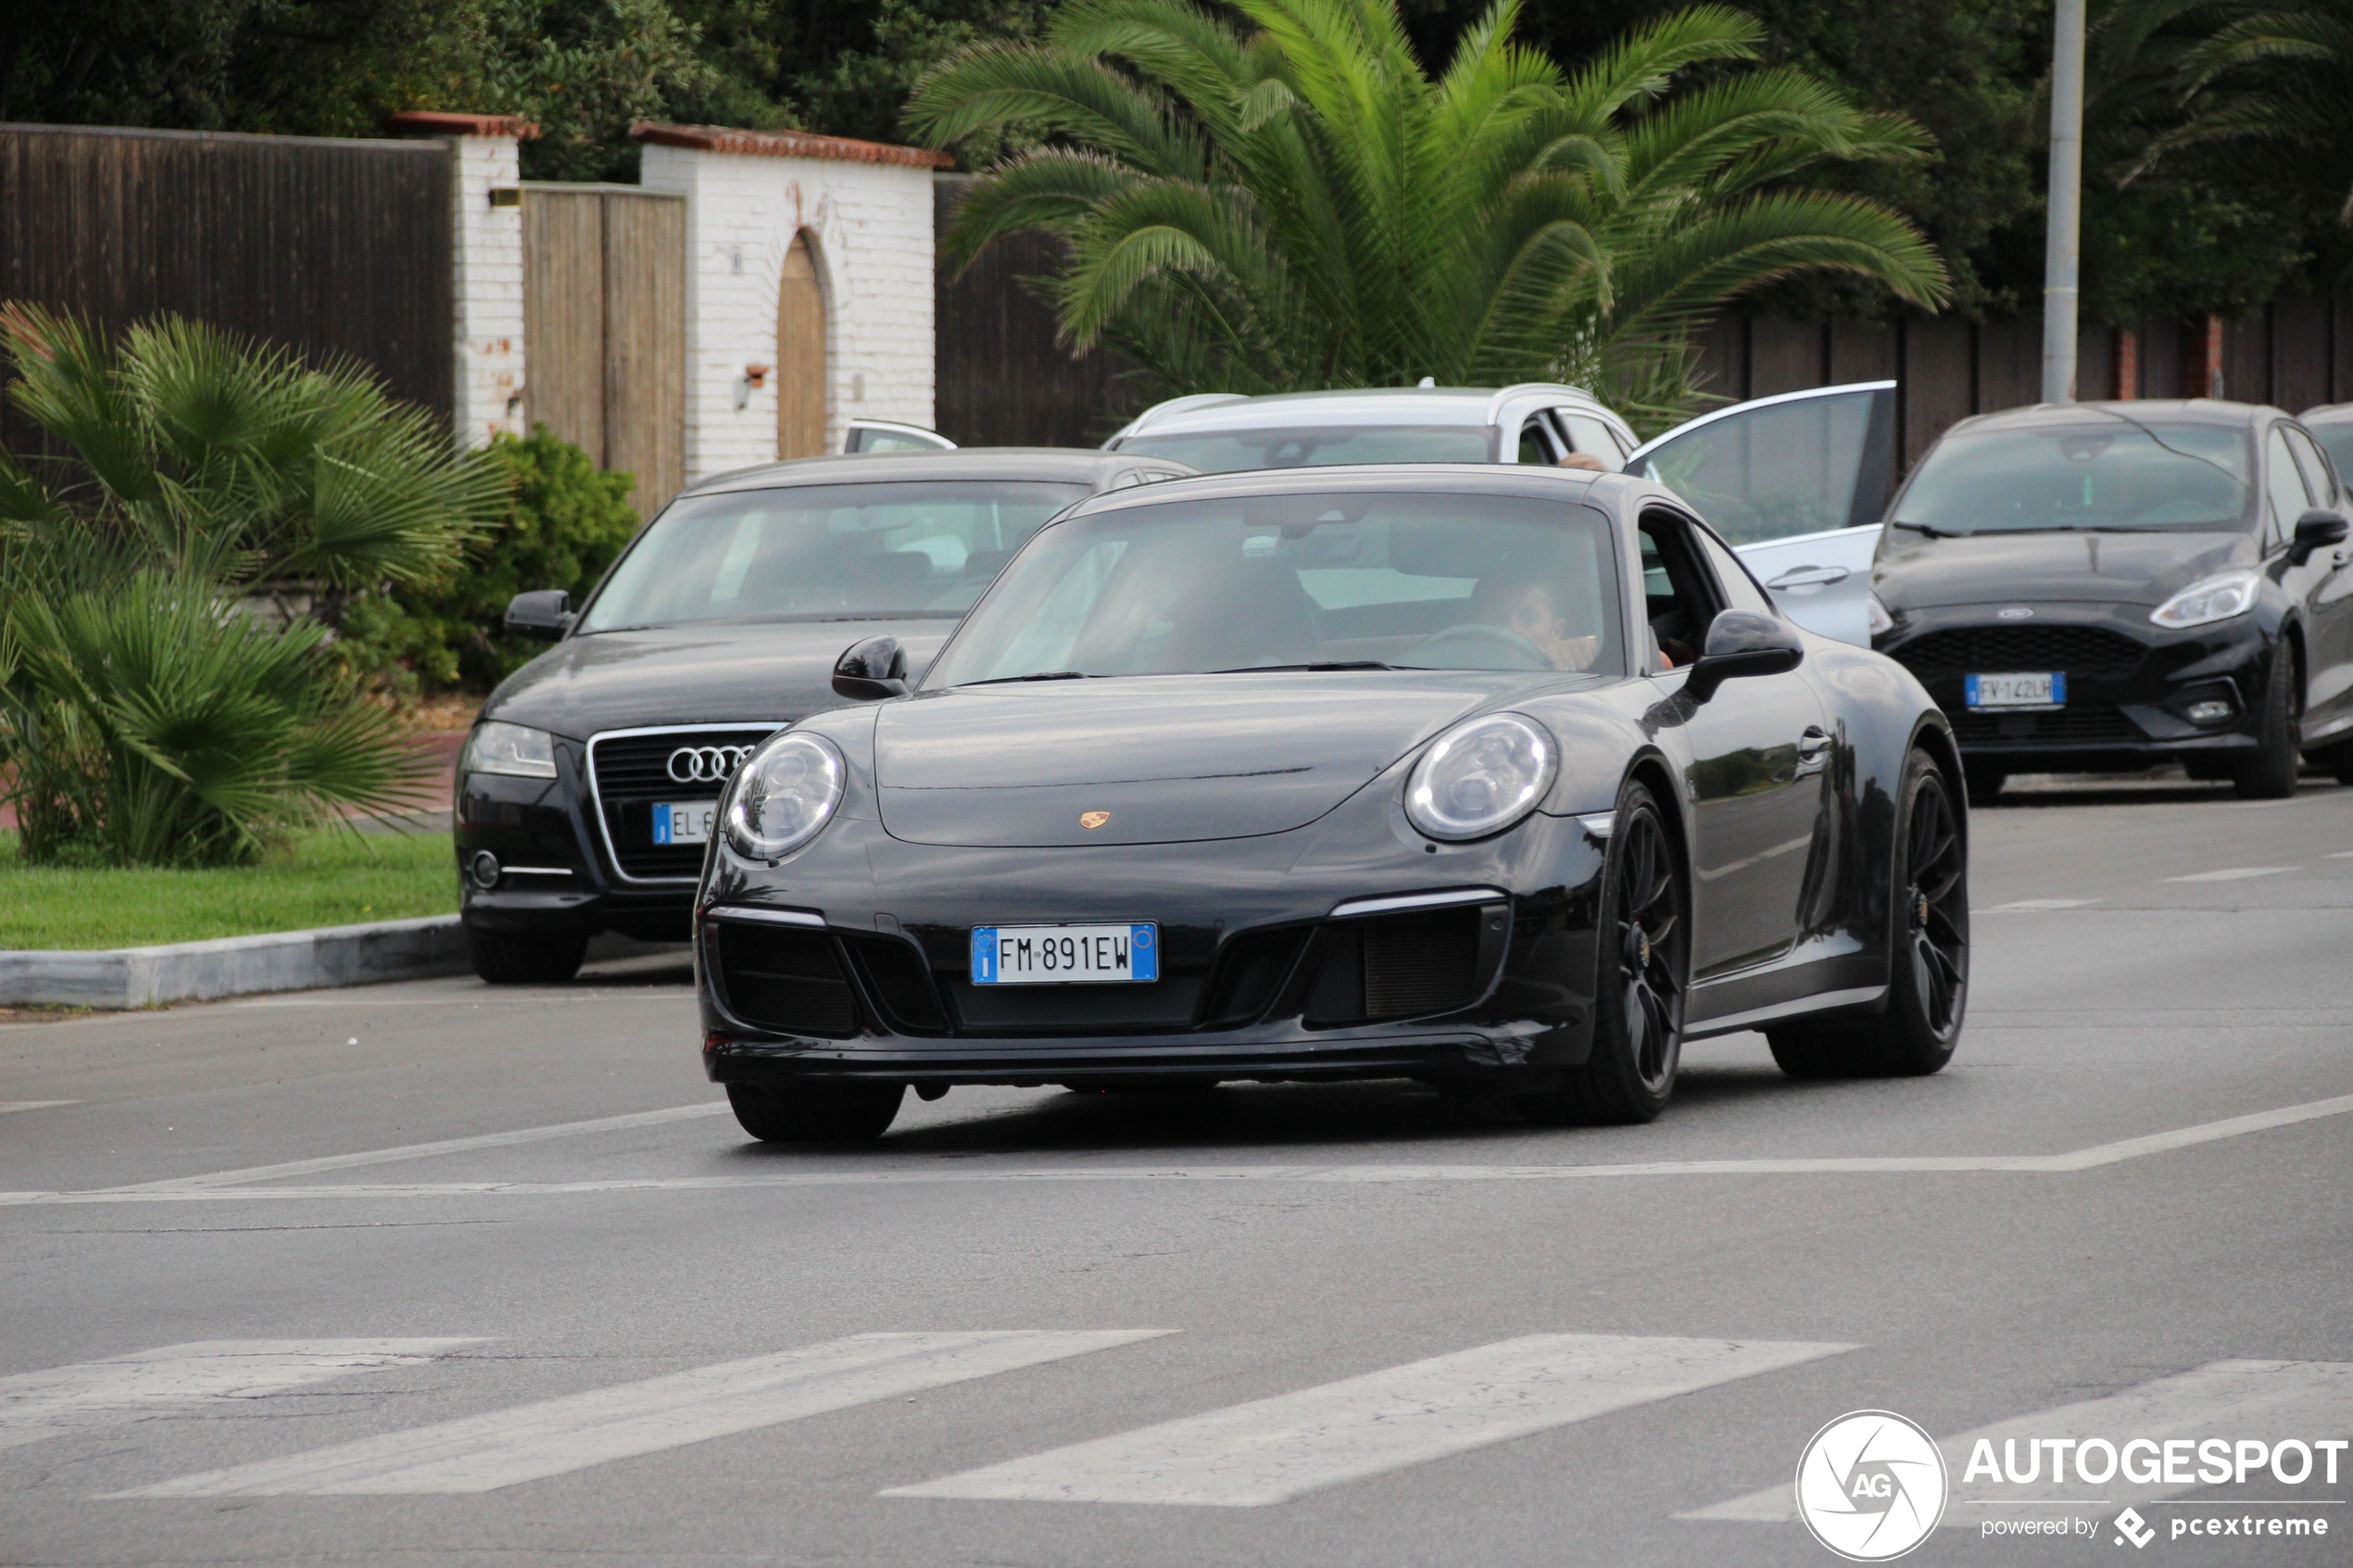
<point x="584" y="794"/>
<point x="2110" y="585"/>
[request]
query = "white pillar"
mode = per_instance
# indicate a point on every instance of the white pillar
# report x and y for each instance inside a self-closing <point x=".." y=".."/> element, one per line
<point x="485" y="226"/>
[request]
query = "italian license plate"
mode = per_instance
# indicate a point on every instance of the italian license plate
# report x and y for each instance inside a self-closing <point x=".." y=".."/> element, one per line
<point x="1065" y="955"/>
<point x="2016" y="691"/>
<point x="684" y="822"/>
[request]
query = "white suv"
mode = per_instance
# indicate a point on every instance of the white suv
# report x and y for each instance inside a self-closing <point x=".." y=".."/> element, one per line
<point x="1533" y="423"/>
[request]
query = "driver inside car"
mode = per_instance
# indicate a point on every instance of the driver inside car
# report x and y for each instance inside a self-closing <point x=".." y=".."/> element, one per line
<point x="1525" y="609"/>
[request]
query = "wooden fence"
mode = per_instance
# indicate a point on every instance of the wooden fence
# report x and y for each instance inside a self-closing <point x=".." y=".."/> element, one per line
<point x="330" y="247"/>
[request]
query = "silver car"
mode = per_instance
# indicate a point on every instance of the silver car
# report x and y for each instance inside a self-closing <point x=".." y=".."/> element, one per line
<point x="1796" y="483"/>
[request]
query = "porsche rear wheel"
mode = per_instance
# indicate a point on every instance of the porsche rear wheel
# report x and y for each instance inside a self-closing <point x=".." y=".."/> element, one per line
<point x="851" y="1113"/>
<point x="1928" y="984"/>
<point x="1643" y="971"/>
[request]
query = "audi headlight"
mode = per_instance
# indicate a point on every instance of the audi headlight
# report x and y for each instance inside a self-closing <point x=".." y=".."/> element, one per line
<point x="2211" y="599"/>
<point x="496" y="748"/>
<point x="1481" y="777"/>
<point x="784" y="795"/>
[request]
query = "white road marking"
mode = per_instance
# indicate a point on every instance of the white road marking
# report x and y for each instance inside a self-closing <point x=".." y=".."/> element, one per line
<point x="426" y="1150"/>
<point x="481" y="1453"/>
<point x="2027" y="906"/>
<point x="961" y="1172"/>
<point x="2237" y="873"/>
<point x="9" y="1105"/>
<point x="2274" y="1398"/>
<point x="34" y="1405"/>
<point x="1273" y="1451"/>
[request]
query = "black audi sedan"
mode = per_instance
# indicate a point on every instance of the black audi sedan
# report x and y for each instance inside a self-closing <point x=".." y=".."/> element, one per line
<point x="586" y="792"/>
<point x="2111" y="585"/>
<point x="1503" y="778"/>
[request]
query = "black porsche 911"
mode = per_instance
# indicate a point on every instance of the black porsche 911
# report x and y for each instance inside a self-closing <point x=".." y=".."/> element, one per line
<point x="1503" y="779"/>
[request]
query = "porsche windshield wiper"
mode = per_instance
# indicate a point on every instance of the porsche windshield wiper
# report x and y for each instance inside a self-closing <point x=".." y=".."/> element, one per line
<point x="1326" y="664"/>
<point x="1036" y="675"/>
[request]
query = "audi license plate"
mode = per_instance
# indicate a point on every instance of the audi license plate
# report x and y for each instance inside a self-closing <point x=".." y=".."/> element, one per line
<point x="2016" y="691"/>
<point x="1065" y="955"/>
<point x="684" y="822"/>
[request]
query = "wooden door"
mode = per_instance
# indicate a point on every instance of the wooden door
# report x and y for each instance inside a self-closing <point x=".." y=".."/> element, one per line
<point x="563" y="314"/>
<point x="800" y="356"/>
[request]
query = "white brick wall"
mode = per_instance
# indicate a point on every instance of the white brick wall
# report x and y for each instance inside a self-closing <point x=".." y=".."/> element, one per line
<point x="488" y="272"/>
<point x="871" y="230"/>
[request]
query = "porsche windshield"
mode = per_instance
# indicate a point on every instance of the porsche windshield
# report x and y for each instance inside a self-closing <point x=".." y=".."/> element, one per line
<point x="825" y="552"/>
<point x="1354" y="580"/>
<point x="2109" y="474"/>
<point x="1228" y="451"/>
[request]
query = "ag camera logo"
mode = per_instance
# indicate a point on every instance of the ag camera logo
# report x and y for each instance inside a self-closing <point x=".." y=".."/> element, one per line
<point x="1872" y="1486"/>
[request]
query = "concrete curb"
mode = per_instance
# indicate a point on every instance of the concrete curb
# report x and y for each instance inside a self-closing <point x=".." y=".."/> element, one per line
<point x="236" y="966"/>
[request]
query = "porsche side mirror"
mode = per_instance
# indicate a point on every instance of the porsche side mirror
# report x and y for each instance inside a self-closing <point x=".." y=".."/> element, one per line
<point x="1742" y="641"/>
<point x="870" y="671"/>
<point x="545" y="614"/>
<point x="2317" y="529"/>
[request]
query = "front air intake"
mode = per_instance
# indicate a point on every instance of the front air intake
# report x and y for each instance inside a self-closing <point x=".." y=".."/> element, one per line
<point x="785" y="981"/>
<point x="1403" y="966"/>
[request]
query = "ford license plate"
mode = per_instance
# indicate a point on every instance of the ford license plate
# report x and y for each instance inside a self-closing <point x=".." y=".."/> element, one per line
<point x="2016" y="691"/>
<point x="684" y="822"/>
<point x="1065" y="955"/>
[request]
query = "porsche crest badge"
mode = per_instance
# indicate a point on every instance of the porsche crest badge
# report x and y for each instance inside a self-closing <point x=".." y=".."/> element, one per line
<point x="1093" y="820"/>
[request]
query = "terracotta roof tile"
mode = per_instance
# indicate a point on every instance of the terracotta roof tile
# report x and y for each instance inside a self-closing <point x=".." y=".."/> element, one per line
<point x="785" y="143"/>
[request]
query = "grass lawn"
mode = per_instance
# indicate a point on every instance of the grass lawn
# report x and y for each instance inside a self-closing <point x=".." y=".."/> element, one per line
<point x="325" y="878"/>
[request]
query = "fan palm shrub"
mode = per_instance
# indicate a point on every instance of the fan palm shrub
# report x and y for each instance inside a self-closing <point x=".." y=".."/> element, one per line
<point x="1299" y="205"/>
<point x="146" y="714"/>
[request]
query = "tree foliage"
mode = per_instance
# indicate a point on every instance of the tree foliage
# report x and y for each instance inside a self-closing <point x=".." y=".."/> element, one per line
<point x="1301" y="206"/>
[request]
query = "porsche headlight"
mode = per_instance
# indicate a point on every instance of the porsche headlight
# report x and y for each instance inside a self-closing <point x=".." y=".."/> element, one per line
<point x="2211" y="599"/>
<point x="1481" y="777"/>
<point x="784" y="795"/>
<point x="497" y="748"/>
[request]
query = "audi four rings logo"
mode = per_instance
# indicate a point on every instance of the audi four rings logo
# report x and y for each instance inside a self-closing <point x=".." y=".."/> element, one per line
<point x="706" y="764"/>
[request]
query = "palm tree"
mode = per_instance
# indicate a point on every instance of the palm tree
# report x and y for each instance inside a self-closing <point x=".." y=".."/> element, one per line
<point x="1301" y="206"/>
<point x="145" y="717"/>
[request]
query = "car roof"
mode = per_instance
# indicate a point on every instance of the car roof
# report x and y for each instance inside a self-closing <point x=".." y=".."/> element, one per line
<point x="2328" y="414"/>
<point x="1364" y="405"/>
<point x="1082" y="464"/>
<point x="2174" y="411"/>
<point x="1498" y="479"/>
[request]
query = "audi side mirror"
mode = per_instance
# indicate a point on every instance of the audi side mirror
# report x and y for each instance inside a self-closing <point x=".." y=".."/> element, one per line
<point x="545" y="614"/>
<point x="870" y="671"/>
<point x="1742" y="641"/>
<point x="2317" y="529"/>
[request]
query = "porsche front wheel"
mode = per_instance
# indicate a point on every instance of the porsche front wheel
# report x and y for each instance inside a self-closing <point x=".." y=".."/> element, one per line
<point x="850" y="1112"/>
<point x="1644" y="942"/>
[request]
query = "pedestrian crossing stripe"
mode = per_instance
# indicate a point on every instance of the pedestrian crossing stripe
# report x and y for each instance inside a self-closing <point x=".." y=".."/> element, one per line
<point x="2234" y="1398"/>
<point x="1273" y="1451"/>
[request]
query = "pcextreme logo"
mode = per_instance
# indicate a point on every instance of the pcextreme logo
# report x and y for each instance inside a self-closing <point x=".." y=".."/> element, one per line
<point x="1872" y="1486"/>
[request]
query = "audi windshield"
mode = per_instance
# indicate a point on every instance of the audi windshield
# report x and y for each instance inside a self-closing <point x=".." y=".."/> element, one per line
<point x="823" y="552"/>
<point x="2113" y="474"/>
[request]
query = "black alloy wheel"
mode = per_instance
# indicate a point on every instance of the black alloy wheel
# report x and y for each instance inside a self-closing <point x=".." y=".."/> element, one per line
<point x="1928" y="956"/>
<point x="525" y="958"/>
<point x="2268" y="773"/>
<point x="1642" y="949"/>
<point x="1984" y="781"/>
<point x="848" y="1113"/>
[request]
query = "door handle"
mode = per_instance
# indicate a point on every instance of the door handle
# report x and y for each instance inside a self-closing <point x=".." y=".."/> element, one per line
<point x="1813" y="751"/>
<point x="1810" y="577"/>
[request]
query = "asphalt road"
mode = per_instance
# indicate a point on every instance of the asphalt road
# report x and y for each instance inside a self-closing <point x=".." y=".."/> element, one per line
<point x="245" y="1317"/>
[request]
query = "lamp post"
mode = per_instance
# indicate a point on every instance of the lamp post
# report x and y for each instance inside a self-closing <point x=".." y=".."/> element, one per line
<point x="2062" y="250"/>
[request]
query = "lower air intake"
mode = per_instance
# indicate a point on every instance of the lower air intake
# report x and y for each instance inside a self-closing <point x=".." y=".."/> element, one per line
<point x="787" y="981"/>
<point x="1405" y="966"/>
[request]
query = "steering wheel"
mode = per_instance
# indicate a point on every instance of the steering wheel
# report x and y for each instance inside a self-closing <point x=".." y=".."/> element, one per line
<point x="1473" y="644"/>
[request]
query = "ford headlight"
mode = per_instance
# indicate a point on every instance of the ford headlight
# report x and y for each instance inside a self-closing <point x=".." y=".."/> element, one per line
<point x="1481" y="777"/>
<point x="2213" y="598"/>
<point x="497" y="748"/>
<point x="784" y="795"/>
<point x="1876" y="617"/>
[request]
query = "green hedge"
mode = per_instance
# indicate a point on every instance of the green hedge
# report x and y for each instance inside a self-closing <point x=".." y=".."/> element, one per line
<point x="566" y="523"/>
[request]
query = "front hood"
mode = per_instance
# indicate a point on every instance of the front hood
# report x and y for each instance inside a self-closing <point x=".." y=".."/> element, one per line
<point x="1915" y="572"/>
<point x="695" y="674"/>
<point x="1171" y="758"/>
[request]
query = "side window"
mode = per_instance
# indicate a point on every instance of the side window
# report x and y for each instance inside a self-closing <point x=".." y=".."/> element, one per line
<point x="1740" y="589"/>
<point x="2318" y="477"/>
<point x="1591" y="437"/>
<point x="1536" y="443"/>
<point x="2288" y="497"/>
<point x="1680" y="594"/>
